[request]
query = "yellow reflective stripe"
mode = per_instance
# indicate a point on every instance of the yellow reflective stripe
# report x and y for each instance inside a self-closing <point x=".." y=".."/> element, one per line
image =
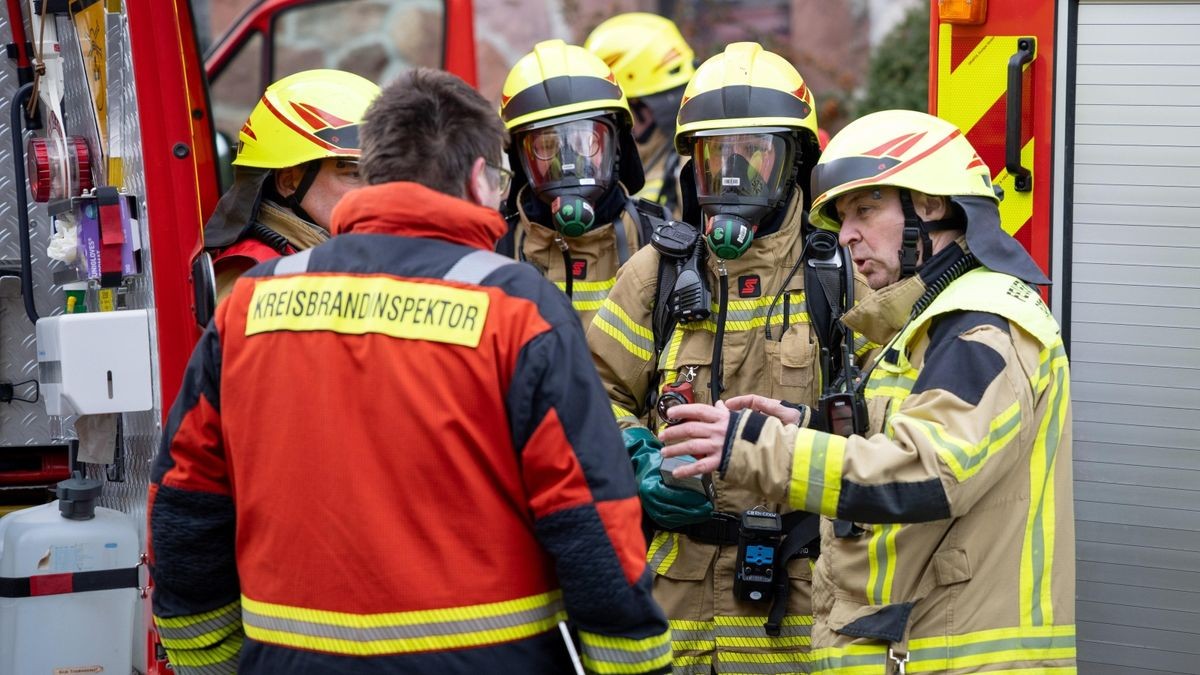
<point x="615" y="322"/>
<point x="710" y="325"/>
<point x="668" y="359"/>
<point x="999" y="646"/>
<point x="897" y="386"/>
<point x="747" y="632"/>
<point x="192" y="629"/>
<point x="992" y="647"/>
<point x="622" y="415"/>
<point x="816" y="481"/>
<point x="612" y="654"/>
<point x="687" y="664"/>
<point x="402" y="632"/>
<point x="627" y="322"/>
<point x="850" y="660"/>
<point x="881" y="552"/>
<point x="200" y="631"/>
<point x="1037" y="553"/>
<point x="692" y="636"/>
<point x="663" y="551"/>
<point x="652" y="191"/>
<point x="578" y="286"/>
<point x="964" y="459"/>
<point x="227" y="650"/>
<point x="586" y="305"/>
<point x="588" y="296"/>
<point x="862" y="345"/>
<point x="776" y="657"/>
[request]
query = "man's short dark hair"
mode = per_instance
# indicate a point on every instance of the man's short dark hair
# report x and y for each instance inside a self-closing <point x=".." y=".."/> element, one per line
<point x="427" y="127"/>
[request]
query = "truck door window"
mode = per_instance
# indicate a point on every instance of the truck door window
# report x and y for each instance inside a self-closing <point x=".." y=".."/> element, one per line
<point x="234" y="93"/>
<point x="377" y="39"/>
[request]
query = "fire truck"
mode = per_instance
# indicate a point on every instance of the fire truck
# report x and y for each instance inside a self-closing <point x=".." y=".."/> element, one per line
<point x="114" y="129"/>
<point x="1088" y="113"/>
<point x="1086" y="110"/>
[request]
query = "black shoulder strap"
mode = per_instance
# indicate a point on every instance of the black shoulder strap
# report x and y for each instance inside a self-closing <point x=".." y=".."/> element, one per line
<point x="663" y="322"/>
<point x="825" y="295"/>
<point x="644" y="213"/>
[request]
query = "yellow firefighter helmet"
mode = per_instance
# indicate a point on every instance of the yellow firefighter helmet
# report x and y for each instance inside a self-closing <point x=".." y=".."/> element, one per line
<point x="901" y="149"/>
<point x="311" y="115"/>
<point x="745" y="86"/>
<point x="646" y="52"/>
<point x="557" y="81"/>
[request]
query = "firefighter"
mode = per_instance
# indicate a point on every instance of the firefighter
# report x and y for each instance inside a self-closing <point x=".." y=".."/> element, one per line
<point x="574" y="162"/>
<point x="461" y="518"/>
<point x="749" y="125"/>
<point x="948" y="542"/>
<point x="652" y="63"/>
<point x="297" y="156"/>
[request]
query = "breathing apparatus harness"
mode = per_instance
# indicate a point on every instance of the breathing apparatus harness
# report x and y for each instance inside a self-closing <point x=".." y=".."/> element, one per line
<point x="730" y="232"/>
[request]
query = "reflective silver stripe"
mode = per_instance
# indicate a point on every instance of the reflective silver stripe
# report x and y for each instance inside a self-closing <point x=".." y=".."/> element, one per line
<point x="793" y="630"/>
<point x="663" y="551"/>
<point x="254" y="620"/>
<point x="735" y="662"/>
<point x="221" y="622"/>
<point x="698" y="635"/>
<point x="612" y="655"/>
<point x="607" y="314"/>
<point x="295" y="263"/>
<point x="475" y="266"/>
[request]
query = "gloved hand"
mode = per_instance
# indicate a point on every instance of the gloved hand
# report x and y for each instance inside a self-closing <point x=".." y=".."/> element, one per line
<point x="668" y="506"/>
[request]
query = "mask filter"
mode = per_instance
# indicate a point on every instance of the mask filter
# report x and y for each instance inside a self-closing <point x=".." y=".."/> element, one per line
<point x="573" y="215"/>
<point x="729" y="236"/>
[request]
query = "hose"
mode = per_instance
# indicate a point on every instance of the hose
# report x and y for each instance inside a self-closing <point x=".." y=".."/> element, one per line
<point x="18" y="119"/>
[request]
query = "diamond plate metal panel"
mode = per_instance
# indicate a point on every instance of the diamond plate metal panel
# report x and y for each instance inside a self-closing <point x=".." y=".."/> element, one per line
<point x="23" y="424"/>
<point x="20" y="423"/>
<point x="142" y="431"/>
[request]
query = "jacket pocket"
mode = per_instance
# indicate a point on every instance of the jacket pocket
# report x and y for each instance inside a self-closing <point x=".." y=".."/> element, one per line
<point x="951" y="566"/>
<point x="793" y="363"/>
<point x="887" y="623"/>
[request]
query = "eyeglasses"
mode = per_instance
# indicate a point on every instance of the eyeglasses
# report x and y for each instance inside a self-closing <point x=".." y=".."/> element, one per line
<point x="503" y="177"/>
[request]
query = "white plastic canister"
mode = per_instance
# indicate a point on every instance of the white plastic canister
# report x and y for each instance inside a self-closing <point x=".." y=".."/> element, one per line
<point x="90" y="632"/>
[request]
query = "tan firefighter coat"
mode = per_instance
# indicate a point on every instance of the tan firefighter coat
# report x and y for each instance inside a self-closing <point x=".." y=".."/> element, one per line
<point x="594" y="258"/>
<point x="955" y="540"/>
<point x="695" y="580"/>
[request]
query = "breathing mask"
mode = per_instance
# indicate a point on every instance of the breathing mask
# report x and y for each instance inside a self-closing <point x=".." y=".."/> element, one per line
<point x="740" y="179"/>
<point x="570" y="167"/>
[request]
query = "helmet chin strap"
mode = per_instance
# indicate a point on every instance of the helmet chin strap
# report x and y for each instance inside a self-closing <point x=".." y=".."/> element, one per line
<point x="917" y="230"/>
<point x="311" y="170"/>
<point x="914" y="231"/>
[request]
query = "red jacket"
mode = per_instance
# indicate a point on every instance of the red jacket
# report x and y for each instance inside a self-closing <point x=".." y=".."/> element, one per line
<point x="392" y="453"/>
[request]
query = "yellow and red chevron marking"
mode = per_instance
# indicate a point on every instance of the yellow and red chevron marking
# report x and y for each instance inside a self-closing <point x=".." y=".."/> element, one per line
<point x="972" y="85"/>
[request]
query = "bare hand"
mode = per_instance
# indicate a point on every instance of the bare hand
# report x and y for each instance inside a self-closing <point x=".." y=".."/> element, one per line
<point x="768" y="406"/>
<point x="701" y="434"/>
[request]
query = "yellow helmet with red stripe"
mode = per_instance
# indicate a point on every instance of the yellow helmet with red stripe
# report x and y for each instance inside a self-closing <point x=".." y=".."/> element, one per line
<point x="901" y="149"/>
<point x="646" y="52"/>
<point x="311" y="115"/>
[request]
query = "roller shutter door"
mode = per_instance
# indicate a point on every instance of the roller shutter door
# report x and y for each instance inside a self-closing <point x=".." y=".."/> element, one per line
<point x="1135" y="336"/>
